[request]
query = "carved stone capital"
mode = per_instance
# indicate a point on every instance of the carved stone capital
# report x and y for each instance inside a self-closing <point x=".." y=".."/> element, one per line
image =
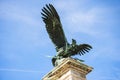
<point x="69" y="69"/>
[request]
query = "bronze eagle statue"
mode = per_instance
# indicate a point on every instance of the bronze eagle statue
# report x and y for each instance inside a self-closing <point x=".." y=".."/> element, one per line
<point x="54" y="28"/>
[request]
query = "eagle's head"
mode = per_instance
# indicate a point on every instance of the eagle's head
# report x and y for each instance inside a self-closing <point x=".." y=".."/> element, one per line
<point x="73" y="42"/>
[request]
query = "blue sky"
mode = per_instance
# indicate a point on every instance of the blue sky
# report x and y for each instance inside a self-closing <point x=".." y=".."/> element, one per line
<point x="26" y="50"/>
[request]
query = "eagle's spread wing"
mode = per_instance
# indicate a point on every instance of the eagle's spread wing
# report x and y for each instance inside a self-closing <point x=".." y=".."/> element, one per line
<point x="82" y="49"/>
<point x="53" y="26"/>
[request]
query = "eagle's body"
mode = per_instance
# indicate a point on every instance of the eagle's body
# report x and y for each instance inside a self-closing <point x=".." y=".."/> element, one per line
<point x="56" y="34"/>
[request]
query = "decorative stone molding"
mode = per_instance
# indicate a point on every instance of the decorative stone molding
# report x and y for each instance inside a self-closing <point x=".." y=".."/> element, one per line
<point x="69" y="69"/>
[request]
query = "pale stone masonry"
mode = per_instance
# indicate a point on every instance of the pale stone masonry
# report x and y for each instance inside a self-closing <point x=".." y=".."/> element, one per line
<point x="69" y="69"/>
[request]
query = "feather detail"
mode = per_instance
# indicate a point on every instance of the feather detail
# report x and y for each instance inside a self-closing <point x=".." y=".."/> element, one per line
<point x="53" y="26"/>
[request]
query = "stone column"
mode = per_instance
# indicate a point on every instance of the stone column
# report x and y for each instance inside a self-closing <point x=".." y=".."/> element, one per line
<point x="69" y="69"/>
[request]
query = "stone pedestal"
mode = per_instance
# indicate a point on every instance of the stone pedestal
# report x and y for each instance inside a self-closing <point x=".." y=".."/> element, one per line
<point x="69" y="69"/>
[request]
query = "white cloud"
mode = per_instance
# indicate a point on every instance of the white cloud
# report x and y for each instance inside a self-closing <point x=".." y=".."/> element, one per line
<point x="48" y="56"/>
<point x="17" y="13"/>
<point x="17" y="70"/>
<point x="77" y="18"/>
<point x="85" y="22"/>
<point x="27" y="26"/>
<point x="66" y="5"/>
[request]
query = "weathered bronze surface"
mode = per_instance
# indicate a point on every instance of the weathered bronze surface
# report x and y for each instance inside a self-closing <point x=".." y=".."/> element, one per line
<point x="54" y="28"/>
